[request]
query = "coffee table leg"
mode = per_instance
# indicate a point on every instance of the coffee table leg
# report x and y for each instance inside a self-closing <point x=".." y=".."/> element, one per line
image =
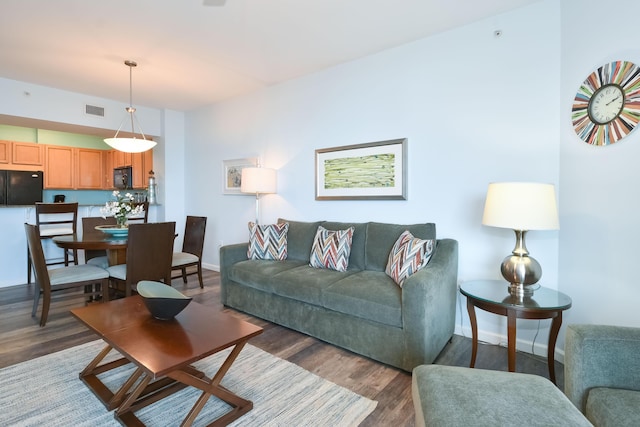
<point x="474" y="332"/>
<point x="551" y="347"/>
<point x="213" y="388"/>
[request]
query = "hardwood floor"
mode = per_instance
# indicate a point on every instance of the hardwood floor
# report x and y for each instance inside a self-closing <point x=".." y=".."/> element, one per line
<point x="22" y="339"/>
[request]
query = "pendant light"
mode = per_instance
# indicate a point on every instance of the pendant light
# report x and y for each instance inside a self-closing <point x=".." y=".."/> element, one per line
<point x="131" y="145"/>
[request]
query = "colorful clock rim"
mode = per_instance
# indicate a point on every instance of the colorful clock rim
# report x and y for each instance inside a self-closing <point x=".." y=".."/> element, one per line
<point x="622" y="73"/>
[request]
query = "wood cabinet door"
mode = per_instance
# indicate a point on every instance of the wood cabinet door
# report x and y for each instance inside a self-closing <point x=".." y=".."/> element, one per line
<point x="121" y="158"/>
<point x="107" y="166"/>
<point x="27" y="153"/>
<point x="137" y="170"/>
<point x="89" y="169"/>
<point x="59" y="167"/>
<point x="5" y="152"/>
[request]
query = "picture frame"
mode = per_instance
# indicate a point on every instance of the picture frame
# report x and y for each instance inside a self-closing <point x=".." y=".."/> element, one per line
<point x="232" y="174"/>
<point x="370" y="171"/>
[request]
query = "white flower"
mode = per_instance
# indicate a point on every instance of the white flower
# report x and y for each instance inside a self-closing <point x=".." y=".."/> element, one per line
<point x="122" y="208"/>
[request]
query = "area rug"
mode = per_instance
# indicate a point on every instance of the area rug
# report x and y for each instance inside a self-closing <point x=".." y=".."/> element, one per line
<point x="47" y="391"/>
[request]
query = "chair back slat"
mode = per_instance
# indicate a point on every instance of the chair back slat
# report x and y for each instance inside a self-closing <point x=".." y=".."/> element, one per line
<point x="149" y="252"/>
<point x="194" y="232"/>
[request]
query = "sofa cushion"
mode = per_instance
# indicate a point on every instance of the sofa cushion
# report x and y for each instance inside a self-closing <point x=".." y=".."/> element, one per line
<point x="268" y="241"/>
<point x="613" y="407"/>
<point x="305" y="283"/>
<point x="300" y="238"/>
<point x="381" y="238"/>
<point x="408" y="255"/>
<point x="370" y="295"/>
<point x="356" y="259"/>
<point x="331" y="249"/>
<point x="260" y="274"/>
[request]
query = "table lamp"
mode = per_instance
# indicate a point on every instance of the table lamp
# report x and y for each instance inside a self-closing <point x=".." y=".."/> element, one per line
<point x="521" y="206"/>
<point x="257" y="180"/>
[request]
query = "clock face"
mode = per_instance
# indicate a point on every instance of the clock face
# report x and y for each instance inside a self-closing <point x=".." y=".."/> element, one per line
<point x="606" y="107"/>
<point x="606" y="104"/>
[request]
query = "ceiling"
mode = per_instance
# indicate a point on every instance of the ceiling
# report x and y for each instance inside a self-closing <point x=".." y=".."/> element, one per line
<point x="190" y="54"/>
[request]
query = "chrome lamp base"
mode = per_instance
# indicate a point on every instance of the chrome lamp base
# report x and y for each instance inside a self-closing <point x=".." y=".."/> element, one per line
<point x="521" y="270"/>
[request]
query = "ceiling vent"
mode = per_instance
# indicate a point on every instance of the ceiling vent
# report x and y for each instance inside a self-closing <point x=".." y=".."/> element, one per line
<point x="93" y="110"/>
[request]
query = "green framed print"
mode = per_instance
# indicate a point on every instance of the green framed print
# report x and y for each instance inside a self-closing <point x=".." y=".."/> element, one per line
<point x="371" y="171"/>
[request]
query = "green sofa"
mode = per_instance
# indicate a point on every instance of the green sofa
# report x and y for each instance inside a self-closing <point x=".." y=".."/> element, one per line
<point x="362" y="309"/>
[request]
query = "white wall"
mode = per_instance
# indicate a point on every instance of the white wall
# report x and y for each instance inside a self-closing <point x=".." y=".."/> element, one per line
<point x="475" y="109"/>
<point x="600" y="201"/>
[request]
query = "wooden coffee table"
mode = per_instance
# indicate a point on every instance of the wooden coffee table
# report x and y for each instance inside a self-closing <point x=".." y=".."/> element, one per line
<point x="163" y="352"/>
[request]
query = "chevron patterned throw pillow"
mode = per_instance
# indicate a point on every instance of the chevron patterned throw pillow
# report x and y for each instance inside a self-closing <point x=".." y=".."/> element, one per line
<point x="268" y="241"/>
<point x="408" y="255"/>
<point x="331" y="249"/>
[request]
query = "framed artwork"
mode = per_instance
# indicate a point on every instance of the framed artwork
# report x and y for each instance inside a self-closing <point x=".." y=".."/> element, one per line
<point x="232" y="174"/>
<point x="372" y="171"/>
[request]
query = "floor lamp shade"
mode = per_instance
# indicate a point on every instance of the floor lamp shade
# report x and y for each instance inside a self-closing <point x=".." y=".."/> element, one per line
<point x="258" y="181"/>
<point x="521" y="206"/>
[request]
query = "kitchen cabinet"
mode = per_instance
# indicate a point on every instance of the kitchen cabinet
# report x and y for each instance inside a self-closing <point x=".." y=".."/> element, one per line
<point x="16" y="155"/>
<point x="59" y="171"/>
<point x="141" y="164"/>
<point x="27" y="153"/>
<point x="73" y="168"/>
<point x="89" y="169"/>
<point x="5" y="152"/>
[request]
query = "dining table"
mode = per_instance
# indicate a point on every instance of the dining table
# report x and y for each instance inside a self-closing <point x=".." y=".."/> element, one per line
<point x="114" y="245"/>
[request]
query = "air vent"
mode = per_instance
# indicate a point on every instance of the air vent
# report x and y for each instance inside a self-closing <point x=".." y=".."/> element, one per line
<point x="93" y="110"/>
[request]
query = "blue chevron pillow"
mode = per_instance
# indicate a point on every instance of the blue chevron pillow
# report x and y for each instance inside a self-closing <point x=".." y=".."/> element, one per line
<point x="408" y="255"/>
<point x="268" y="241"/>
<point x="331" y="249"/>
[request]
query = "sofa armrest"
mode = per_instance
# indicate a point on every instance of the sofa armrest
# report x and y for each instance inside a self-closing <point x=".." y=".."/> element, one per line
<point x="600" y="356"/>
<point x="230" y="255"/>
<point x="429" y="303"/>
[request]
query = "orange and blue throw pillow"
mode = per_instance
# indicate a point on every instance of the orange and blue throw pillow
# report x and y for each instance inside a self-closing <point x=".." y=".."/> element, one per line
<point x="268" y="241"/>
<point x="408" y="255"/>
<point x="331" y="249"/>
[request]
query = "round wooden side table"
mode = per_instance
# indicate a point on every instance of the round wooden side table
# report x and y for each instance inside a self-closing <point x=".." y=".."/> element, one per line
<point x="493" y="296"/>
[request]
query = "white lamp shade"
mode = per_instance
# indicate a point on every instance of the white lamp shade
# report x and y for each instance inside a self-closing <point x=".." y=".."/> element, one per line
<point x="130" y="145"/>
<point x="521" y="206"/>
<point x="258" y="180"/>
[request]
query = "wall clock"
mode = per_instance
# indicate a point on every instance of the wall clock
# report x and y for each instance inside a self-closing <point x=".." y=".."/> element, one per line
<point x="607" y="105"/>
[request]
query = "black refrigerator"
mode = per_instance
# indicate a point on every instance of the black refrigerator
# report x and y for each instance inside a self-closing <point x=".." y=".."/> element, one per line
<point x="20" y="187"/>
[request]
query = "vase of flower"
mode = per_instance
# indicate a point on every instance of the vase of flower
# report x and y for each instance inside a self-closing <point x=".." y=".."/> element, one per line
<point x="121" y="208"/>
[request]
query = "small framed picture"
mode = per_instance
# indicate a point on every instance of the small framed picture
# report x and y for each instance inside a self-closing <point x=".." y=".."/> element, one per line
<point x="232" y="174"/>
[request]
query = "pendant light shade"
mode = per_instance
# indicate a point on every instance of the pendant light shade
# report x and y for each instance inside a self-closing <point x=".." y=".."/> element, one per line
<point x="131" y="145"/>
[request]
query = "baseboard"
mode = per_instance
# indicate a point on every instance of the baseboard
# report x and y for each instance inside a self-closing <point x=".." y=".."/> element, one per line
<point x="539" y="349"/>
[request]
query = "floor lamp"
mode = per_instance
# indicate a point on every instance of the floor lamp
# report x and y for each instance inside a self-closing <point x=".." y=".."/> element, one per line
<point x="258" y="181"/>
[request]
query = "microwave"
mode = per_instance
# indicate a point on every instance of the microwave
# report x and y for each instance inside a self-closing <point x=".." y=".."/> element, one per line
<point x="122" y="178"/>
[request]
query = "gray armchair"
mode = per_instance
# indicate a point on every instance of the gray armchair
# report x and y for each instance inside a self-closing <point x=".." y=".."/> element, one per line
<point x="602" y="373"/>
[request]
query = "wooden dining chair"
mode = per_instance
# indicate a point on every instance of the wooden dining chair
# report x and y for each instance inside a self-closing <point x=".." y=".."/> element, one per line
<point x="149" y="251"/>
<point x="55" y="219"/>
<point x="49" y="281"/>
<point x="94" y="256"/>
<point x="192" y="246"/>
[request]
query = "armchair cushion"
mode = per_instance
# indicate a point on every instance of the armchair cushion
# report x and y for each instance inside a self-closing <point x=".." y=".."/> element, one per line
<point x="613" y="407"/>
<point x="600" y="356"/>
